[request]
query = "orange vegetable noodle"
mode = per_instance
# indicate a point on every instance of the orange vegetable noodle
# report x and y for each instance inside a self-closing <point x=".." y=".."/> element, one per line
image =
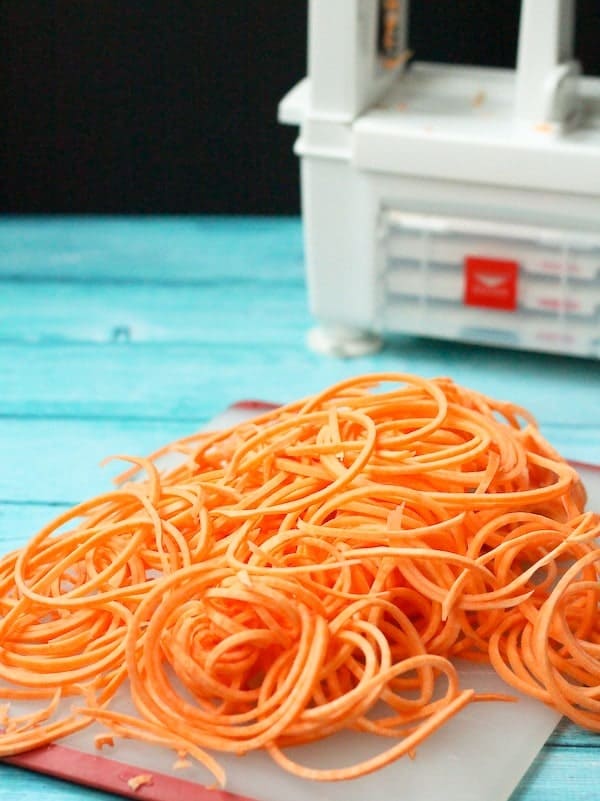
<point x="271" y="584"/>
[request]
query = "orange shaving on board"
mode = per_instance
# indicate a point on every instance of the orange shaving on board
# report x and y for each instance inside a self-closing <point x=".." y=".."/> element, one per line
<point x="293" y="572"/>
<point x="141" y="780"/>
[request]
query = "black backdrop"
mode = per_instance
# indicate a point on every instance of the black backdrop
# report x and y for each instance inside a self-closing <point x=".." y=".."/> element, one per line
<point x="120" y="106"/>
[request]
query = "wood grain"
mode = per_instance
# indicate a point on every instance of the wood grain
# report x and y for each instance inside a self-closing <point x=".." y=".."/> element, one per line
<point x="117" y="335"/>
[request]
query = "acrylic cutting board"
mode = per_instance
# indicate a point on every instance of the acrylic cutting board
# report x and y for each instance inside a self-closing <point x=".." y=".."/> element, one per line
<point x="481" y="754"/>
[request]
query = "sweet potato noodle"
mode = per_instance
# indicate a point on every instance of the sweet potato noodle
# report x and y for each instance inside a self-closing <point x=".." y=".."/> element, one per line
<point x="294" y="571"/>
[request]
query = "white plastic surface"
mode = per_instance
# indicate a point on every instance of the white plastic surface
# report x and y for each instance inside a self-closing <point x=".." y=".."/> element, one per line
<point x="500" y="146"/>
<point x="546" y="87"/>
<point x="541" y="251"/>
<point x="534" y="295"/>
<point x="346" y="69"/>
<point x="292" y="108"/>
<point x="342" y="342"/>
<point x="458" y="123"/>
<point x="482" y="753"/>
<point x="423" y="281"/>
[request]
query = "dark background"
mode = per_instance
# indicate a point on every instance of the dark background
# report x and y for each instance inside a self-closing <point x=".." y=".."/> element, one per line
<point x="118" y="106"/>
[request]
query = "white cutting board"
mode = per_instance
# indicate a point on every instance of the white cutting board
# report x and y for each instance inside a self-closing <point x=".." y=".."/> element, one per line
<point x="480" y="755"/>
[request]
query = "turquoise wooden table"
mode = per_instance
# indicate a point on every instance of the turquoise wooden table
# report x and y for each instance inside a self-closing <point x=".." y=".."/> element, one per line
<point x="117" y="335"/>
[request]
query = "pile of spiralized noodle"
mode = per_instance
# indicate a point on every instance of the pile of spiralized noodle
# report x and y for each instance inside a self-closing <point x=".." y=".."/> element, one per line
<point x="298" y="569"/>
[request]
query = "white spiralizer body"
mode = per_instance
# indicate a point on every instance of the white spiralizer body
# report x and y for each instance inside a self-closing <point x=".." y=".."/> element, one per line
<point x="448" y="201"/>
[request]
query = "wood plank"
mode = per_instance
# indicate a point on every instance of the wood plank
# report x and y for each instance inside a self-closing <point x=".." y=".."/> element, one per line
<point x="555" y="769"/>
<point x="18" y="521"/>
<point x="164" y="249"/>
<point x="57" y="460"/>
<point x="567" y="734"/>
<point x="221" y="311"/>
<point x="120" y="335"/>
<point x="175" y="380"/>
<point x="22" y="785"/>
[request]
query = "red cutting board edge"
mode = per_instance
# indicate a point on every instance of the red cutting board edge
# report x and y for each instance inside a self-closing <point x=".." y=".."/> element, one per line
<point x="102" y="773"/>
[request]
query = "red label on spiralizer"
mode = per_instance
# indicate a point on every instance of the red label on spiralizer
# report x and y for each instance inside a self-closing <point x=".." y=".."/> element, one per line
<point x="490" y="283"/>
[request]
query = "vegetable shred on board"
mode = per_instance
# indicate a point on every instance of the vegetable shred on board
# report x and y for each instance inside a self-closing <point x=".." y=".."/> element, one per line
<point x="292" y="572"/>
<point x="136" y="782"/>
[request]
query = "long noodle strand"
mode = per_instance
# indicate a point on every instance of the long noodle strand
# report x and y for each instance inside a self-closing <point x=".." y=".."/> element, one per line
<point x="296" y="570"/>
